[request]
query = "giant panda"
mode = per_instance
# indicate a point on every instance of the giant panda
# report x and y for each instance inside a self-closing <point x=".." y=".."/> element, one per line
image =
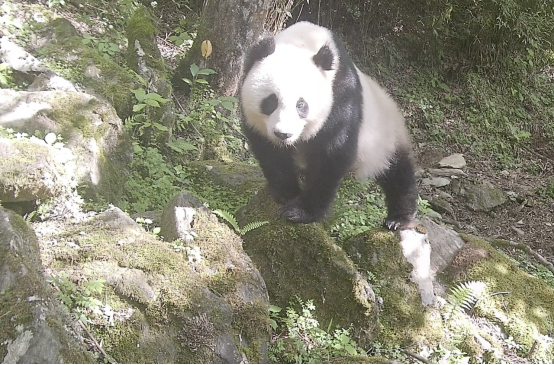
<point x="309" y="111"/>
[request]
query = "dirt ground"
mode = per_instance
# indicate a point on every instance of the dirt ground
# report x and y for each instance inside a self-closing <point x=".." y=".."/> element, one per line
<point x="527" y="219"/>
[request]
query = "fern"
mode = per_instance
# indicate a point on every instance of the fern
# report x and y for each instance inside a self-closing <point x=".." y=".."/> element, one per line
<point x="464" y="295"/>
<point x="230" y="218"/>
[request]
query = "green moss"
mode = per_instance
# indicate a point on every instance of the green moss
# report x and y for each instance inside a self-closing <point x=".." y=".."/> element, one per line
<point x="142" y="30"/>
<point x="403" y="319"/>
<point x="76" y="61"/>
<point x="226" y="186"/>
<point x="177" y="292"/>
<point x="525" y="311"/>
<point x="16" y="312"/>
<point x="303" y="260"/>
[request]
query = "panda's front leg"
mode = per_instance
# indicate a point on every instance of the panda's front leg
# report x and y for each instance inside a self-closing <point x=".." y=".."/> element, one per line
<point x="323" y="175"/>
<point x="400" y="187"/>
<point x="277" y="163"/>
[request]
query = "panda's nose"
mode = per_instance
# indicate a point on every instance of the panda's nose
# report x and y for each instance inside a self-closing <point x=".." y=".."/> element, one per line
<point x="282" y="135"/>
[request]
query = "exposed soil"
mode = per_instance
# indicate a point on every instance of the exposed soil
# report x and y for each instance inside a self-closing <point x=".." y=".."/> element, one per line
<point x="526" y="218"/>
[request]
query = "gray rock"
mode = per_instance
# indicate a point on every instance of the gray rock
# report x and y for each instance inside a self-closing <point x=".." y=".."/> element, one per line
<point x="447" y="172"/>
<point x="34" y="327"/>
<point x="90" y="128"/>
<point x="456" y="161"/>
<point x="435" y="181"/>
<point x="178" y="215"/>
<point x="441" y="206"/>
<point x="170" y="309"/>
<point x="445" y="244"/>
<point x="482" y="196"/>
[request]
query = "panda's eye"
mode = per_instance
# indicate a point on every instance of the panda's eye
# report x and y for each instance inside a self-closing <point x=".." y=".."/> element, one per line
<point x="302" y="108"/>
<point x="269" y="104"/>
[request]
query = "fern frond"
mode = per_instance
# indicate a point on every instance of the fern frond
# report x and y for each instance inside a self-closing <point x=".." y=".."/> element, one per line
<point x="464" y="295"/>
<point x="252" y="225"/>
<point x="229" y="218"/>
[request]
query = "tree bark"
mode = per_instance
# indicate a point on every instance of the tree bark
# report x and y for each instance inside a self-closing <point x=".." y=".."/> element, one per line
<point x="232" y="26"/>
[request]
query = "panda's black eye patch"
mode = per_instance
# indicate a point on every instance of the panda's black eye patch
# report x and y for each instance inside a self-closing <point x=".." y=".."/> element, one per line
<point x="269" y="104"/>
<point x="302" y="108"/>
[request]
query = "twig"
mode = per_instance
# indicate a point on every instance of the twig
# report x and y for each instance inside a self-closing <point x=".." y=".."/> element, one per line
<point x="491" y="295"/>
<point x="96" y="344"/>
<point x="533" y="349"/>
<point x="527" y="249"/>
<point x="416" y="356"/>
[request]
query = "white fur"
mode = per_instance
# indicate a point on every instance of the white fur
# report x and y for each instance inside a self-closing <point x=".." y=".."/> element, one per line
<point x="381" y="132"/>
<point x="290" y="73"/>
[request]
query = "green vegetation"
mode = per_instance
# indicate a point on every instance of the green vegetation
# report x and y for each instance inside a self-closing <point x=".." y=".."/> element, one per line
<point x="300" y="340"/>
<point x="230" y="218"/>
<point x="79" y="300"/>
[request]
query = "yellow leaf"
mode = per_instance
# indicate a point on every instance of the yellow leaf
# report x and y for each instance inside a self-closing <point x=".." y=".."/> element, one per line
<point x="206" y="48"/>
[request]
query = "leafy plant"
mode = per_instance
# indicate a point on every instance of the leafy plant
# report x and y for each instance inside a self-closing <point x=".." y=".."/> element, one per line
<point x="359" y="206"/>
<point x="5" y="75"/>
<point x="78" y="299"/>
<point x="230" y="218"/>
<point x="147" y="224"/>
<point x="464" y="296"/>
<point x="105" y="47"/>
<point x="302" y="341"/>
<point x="152" y="181"/>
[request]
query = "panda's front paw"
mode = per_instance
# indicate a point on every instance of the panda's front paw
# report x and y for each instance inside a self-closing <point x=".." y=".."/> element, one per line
<point x="397" y="224"/>
<point x="295" y="212"/>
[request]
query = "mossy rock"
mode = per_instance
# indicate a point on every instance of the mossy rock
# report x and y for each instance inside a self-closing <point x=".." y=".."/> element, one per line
<point x="302" y="260"/>
<point x="525" y="310"/>
<point x="403" y="320"/>
<point x="226" y="186"/>
<point x="35" y="329"/>
<point x="184" y="309"/>
<point x="63" y="51"/>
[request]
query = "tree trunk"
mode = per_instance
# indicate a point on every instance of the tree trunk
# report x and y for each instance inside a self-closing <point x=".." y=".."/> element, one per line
<point x="232" y="26"/>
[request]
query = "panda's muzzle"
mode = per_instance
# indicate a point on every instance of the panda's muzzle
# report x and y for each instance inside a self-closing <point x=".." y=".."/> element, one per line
<point x="281" y="135"/>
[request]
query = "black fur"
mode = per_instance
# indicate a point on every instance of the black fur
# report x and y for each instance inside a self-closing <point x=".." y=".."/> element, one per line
<point x="324" y="58"/>
<point x="400" y="187"/>
<point x="257" y="52"/>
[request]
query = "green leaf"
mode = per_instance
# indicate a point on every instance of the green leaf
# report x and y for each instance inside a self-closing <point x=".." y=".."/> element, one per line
<point x="139" y="94"/>
<point x="194" y="69"/>
<point x="161" y="127"/>
<point x="151" y="102"/>
<point x="138" y="107"/>
<point x="227" y="105"/>
<point x="274" y="309"/>
<point x="206" y="71"/>
<point x="202" y="81"/>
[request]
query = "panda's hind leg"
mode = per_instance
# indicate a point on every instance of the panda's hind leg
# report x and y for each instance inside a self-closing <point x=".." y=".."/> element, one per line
<point x="400" y="187"/>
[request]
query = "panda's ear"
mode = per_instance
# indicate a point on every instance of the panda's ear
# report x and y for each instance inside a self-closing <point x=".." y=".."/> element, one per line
<point x="258" y="52"/>
<point x="324" y="58"/>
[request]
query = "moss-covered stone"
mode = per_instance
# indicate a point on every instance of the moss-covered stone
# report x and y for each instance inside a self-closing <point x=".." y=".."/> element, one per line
<point x="65" y="53"/>
<point x="403" y="319"/>
<point x="34" y="329"/>
<point x="227" y="186"/>
<point x="141" y="29"/>
<point x="183" y="311"/>
<point x="524" y="310"/>
<point x="303" y="260"/>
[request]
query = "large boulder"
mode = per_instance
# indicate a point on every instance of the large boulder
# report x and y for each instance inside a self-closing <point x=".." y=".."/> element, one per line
<point x="303" y="260"/>
<point x="200" y="301"/>
<point x="35" y="329"/>
<point x="89" y="128"/>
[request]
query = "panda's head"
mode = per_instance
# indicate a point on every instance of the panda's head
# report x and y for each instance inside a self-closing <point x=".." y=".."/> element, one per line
<point x="287" y="93"/>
